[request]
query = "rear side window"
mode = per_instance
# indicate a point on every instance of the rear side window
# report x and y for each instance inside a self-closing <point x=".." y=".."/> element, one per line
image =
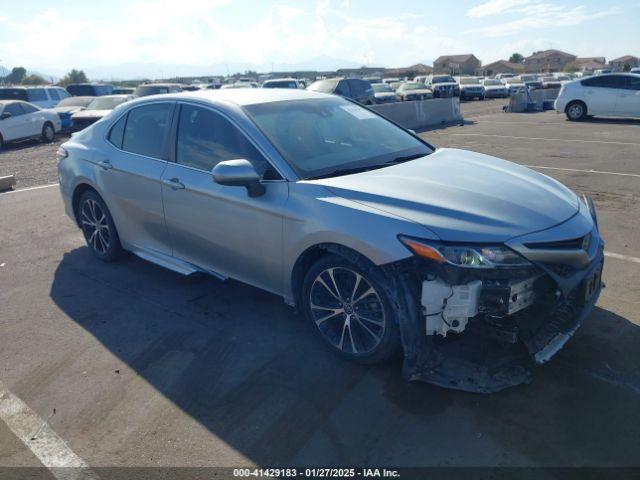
<point x="13" y="94"/>
<point x="37" y="95"/>
<point x="117" y="132"/>
<point x="53" y="94"/>
<point x="205" y="138"/>
<point x="632" y="83"/>
<point x="146" y="130"/>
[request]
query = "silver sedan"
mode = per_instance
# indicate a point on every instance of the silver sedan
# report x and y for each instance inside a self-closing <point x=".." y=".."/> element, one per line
<point x="469" y="263"/>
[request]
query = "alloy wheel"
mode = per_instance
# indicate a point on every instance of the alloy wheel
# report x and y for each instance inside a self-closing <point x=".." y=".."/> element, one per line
<point x="575" y="111"/>
<point x="95" y="226"/>
<point x="347" y="310"/>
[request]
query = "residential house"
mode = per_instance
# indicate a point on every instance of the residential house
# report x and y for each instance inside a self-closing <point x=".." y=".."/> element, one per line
<point x="466" y="64"/>
<point x="625" y="63"/>
<point x="502" y="66"/>
<point x="547" y="61"/>
<point x="589" y="64"/>
<point x="409" y="72"/>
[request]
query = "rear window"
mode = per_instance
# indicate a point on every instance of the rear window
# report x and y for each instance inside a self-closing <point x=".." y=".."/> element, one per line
<point x="282" y="84"/>
<point x="146" y="130"/>
<point x="13" y="94"/>
<point x="324" y="86"/>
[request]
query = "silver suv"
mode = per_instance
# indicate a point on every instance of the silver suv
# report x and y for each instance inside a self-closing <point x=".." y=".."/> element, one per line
<point x="378" y="238"/>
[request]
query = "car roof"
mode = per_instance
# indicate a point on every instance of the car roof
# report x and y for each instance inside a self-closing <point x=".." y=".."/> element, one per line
<point x="287" y="79"/>
<point x="239" y="96"/>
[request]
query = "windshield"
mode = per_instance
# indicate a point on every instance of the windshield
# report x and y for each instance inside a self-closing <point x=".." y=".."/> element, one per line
<point x="513" y="80"/>
<point x="381" y="88"/>
<point x="442" y="79"/>
<point x="281" y="84"/>
<point x="492" y="82"/>
<point x="529" y="78"/>
<point x="75" y="102"/>
<point x="106" y="103"/>
<point x="469" y="81"/>
<point x="329" y="136"/>
<point x="412" y="86"/>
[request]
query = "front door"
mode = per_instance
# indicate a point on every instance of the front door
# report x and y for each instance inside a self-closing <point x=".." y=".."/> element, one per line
<point x="17" y="125"/>
<point x="220" y="228"/>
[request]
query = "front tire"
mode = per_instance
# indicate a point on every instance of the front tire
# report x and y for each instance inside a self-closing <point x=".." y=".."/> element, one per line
<point x="347" y="304"/>
<point x="576" y="111"/>
<point x="48" y="133"/>
<point x="98" y="228"/>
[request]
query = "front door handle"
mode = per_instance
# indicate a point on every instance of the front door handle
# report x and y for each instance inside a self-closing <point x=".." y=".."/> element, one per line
<point x="173" y="183"/>
<point x="105" y="164"/>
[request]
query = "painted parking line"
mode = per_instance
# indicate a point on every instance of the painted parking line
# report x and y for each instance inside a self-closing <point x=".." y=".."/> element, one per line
<point x="36" y="434"/>
<point x="618" y="256"/>
<point x="39" y="187"/>
<point x="539" y="139"/>
<point x="583" y="171"/>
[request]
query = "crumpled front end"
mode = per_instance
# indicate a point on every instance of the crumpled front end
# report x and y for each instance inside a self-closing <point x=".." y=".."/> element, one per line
<point x="480" y="329"/>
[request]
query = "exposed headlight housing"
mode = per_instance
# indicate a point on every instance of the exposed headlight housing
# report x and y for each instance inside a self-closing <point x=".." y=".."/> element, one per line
<point x="465" y="255"/>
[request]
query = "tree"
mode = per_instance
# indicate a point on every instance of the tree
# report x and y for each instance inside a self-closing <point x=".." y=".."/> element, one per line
<point x="34" y="80"/>
<point x="74" y="76"/>
<point x="626" y="68"/>
<point x="516" y="58"/>
<point x="572" y="67"/>
<point x="16" y="76"/>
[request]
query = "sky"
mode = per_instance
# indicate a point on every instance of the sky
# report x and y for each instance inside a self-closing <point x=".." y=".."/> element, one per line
<point x="163" y="36"/>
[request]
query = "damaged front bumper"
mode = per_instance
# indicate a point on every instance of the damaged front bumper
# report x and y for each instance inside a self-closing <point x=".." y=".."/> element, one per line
<point x="481" y="331"/>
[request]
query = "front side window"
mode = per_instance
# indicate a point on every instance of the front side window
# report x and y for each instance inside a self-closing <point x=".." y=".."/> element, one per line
<point x="205" y="138"/>
<point x="146" y="130"/>
<point x="632" y="83"/>
<point x="15" y="109"/>
<point x="321" y="136"/>
<point x="29" y="108"/>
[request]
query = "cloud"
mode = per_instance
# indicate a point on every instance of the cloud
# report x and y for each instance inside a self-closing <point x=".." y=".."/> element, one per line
<point x="495" y="7"/>
<point x="533" y="14"/>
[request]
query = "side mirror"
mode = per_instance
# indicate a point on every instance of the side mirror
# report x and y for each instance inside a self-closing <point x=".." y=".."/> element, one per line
<point x="5" y="115"/>
<point x="238" y="173"/>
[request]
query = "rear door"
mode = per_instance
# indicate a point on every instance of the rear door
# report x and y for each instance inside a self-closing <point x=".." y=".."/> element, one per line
<point x="34" y="119"/>
<point x="629" y="97"/>
<point x="220" y="228"/>
<point x="129" y="172"/>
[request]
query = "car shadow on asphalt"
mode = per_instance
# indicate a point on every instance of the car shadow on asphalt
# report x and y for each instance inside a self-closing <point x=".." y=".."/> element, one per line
<point x="247" y="368"/>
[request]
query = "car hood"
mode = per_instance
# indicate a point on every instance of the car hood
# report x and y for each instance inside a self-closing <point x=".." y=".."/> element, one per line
<point x="495" y="87"/>
<point x="462" y="196"/>
<point x="91" y="114"/>
<point x="385" y="94"/>
<point x="67" y="109"/>
<point x="421" y="91"/>
<point x="475" y="85"/>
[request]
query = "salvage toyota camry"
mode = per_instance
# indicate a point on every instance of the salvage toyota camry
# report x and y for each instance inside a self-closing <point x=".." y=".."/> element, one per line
<point x="476" y="267"/>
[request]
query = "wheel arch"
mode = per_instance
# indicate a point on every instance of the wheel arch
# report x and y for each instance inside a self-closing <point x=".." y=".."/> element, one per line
<point x="78" y="191"/>
<point x="312" y="254"/>
<point x="577" y="100"/>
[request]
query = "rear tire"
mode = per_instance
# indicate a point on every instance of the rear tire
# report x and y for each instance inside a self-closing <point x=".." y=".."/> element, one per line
<point x="98" y="228"/>
<point x="576" y="111"/>
<point x="1" y="142"/>
<point x="347" y="304"/>
<point x="48" y="133"/>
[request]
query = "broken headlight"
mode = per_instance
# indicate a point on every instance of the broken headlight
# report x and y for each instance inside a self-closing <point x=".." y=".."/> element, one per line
<point x="466" y="256"/>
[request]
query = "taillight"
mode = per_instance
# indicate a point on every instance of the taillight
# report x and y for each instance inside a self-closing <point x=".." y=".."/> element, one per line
<point x="62" y="153"/>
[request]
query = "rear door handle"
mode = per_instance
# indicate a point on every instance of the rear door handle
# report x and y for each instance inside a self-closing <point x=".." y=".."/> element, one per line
<point x="105" y="164"/>
<point x="173" y="183"/>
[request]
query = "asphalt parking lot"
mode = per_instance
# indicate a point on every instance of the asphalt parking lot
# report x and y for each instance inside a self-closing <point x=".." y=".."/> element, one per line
<point x="147" y="368"/>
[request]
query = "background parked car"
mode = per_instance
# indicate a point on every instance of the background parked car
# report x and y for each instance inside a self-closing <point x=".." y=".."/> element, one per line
<point x="551" y="82"/>
<point x="494" y="88"/>
<point x="353" y="88"/>
<point x="470" y="88"/>
<point x="635" y="70"/>
<point x="410" y="91"/>
<point x="443" y="86"/>
<point x="502" y="76"/>
<point x="123" y="91"/>
<point x="531" y="81"/>
<point x="383" y="93"/>
<point x="69" y="106"/>
<point x="157" y="89"/>
<point x="43" y="97"/>
<point x="281" y="83"/>
<point x="514" y="84"/>
<point x="98" y="108"/>
<point x="90" y="89"/>
<point x="613" y="95"/>
<point x="21" y="120"/>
